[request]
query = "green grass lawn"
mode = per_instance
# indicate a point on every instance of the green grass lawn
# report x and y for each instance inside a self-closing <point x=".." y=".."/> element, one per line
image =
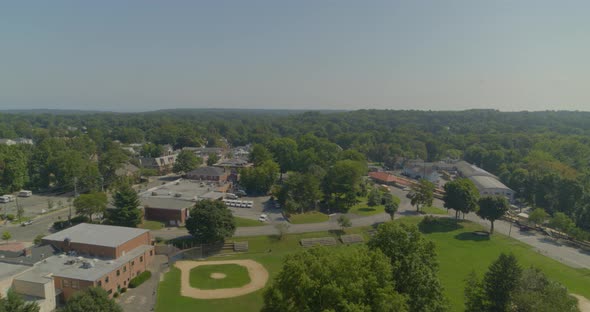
<point x="236" y="276"/>
<point x="243" y="222"/>
<point x="434" y="210"/>
<point x="362" y="209"/>
<point x="151" y="225"/>
<point x="308" y="217"/>
<point x="459" y="252"/>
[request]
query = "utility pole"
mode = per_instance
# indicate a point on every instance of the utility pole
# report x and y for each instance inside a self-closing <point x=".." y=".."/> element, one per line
<point x="102" y="184"/>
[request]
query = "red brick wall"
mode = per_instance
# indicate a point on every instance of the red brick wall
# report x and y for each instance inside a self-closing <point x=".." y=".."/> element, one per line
<point x="143" y="239"/>
<point x="126" y="272"/>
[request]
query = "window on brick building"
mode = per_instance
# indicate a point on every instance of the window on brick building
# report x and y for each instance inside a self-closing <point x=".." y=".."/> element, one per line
<point x="124" y="269"/>
<point x="65" y="283"/>
<point x="132" y="263"/>
<point x="110" y="291"/>
<point x="99" y="283"/>
<point x="75" y="284"/>
<point x="106" y="280"/>
<point x="151" y="252"/>
<point x="141" y="259"/>
<point x="118" y="272"/>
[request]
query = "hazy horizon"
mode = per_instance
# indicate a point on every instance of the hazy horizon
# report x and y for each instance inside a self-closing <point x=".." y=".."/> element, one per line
<point x="126" y="56"/>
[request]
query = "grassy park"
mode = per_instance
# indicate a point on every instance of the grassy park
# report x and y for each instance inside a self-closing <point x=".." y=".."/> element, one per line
<point x="434" y="210"/>
<point x="235" y="276"/>
<point x="151" y="225"/>
<point x="363" y="209"/>
<point x="460" y="251"/>
<point x="243" y="222"/>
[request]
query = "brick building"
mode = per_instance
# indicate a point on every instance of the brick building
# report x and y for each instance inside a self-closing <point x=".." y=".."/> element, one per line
<point x="86" y="255"/>
<point x="168" y="210"/>
<point x="214" y="174"/>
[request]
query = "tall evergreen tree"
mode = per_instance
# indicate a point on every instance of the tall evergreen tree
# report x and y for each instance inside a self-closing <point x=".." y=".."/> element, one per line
<point x="126" y="211"/>
<point x="500" y="282"/>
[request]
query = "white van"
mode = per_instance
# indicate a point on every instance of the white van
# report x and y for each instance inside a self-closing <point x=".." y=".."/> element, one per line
<point x="25" y="193"/>
<point x="10" y="197"/>
<point x="4" y="199"/>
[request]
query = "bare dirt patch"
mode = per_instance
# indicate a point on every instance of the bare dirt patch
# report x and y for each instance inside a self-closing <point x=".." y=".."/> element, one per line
<point x="583" y="303"/>
<point x="218" y="275"/>
<point x="258" y="278"/>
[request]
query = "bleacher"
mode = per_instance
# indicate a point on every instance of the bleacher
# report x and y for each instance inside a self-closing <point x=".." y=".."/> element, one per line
<point x="351" y="239"/>
<point x="241" y="246"/>
<point x="322" y="241"/>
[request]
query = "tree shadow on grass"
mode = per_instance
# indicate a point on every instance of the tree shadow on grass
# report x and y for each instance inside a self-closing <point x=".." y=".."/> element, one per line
<point x="476" y="236"/>
<point x="337" y="233"/>
<point x="434" y="225"/>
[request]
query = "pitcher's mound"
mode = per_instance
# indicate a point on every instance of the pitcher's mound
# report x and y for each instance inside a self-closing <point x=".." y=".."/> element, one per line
<point x="258" y="278"/>
<point x="218" y="275"/>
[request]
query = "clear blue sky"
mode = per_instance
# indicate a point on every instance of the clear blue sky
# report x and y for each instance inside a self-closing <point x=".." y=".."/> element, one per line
<point x="438" y="55"/>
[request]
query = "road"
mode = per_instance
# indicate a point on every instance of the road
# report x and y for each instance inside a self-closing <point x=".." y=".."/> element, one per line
<point x="40" y="226"/>
<point x="544" y="245"/>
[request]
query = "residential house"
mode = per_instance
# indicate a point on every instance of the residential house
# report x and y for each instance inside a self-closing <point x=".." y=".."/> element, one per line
<point x="214" y="174"/>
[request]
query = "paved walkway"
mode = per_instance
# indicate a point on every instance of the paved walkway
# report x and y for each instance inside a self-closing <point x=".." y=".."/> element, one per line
<point x="143" y="298"/>
<point x="544" y="245"/>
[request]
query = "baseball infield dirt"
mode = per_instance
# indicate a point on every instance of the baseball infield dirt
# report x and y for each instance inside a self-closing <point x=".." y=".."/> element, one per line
<point x="583" y="303"/>
<point x="258" y="278"/>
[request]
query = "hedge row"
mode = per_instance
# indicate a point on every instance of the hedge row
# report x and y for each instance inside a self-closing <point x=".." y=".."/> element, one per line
<point x="140" y="279"/>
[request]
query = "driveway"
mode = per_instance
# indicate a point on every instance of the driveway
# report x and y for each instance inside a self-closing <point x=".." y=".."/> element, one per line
<point x="143" y="298"/>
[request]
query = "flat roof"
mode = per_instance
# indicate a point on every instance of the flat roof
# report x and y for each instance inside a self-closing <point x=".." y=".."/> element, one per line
<point x="57" y="266"/>
<point x="487" y="182"/>
<point x="212" y="195"/>
<point x="166" y="203"/>
<point x="8" y="270"/>
<point x="97" y="234"/>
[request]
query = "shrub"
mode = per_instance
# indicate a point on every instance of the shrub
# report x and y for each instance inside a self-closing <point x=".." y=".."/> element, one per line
<point x="60" y="225"/>
<point x="116" y="295"/>
<point x="10" y="217"/>
<point x="140" y="279"/>
<point x="123" y="290"/>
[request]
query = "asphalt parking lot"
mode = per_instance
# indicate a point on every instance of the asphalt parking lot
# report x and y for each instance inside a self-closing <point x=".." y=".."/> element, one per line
<point x="36" y="204"/>
<point x="262" y="204"/>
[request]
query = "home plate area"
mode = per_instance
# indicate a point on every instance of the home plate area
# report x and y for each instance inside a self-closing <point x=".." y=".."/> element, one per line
<point x="220" y="279"/>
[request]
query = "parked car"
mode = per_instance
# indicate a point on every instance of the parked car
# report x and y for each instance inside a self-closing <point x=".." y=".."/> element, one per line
<point x="240" y="193"/>
<point x="25" y="193"/>
<point x="4" y="199"/>
<point x="26" y="223"/>
<point x="263" y="218"/>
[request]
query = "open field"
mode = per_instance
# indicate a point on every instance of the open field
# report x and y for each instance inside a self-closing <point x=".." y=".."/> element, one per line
<point x="151" y="225"/>
<point x="234" y="276"/>
<point x="434" y="210"/>
<point x="459" y="251"/>
<point x="308" y="217"/>
<point x="243" y="222"/>
<point x="363" y="209"/>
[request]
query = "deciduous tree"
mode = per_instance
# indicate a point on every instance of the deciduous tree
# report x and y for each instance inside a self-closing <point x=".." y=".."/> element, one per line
<point x="93" y="299"/>
<point x="538" y="216"/>
<point x="186" y="161"/>
<point x="414" y="265"/>
<point x="15" y="303"/>
<point x="461" y="195"/>
<point x="210" y="222"/>
<point x="321" y="280"/>
<point x="90" y="204"/>
<point x="422" y="194"/>
<point x="492" y="208"/>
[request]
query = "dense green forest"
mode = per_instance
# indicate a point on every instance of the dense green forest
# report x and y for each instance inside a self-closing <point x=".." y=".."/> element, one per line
<point x="543" y="156"/>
